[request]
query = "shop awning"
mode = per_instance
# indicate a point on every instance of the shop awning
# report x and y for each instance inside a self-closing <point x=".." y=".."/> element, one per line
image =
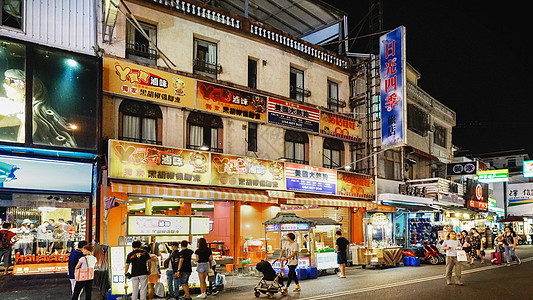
<point x="325" y="201"/>
<point x="408" y="202"/>
<point x="192" y="192"/>
<point x="281" y="194"/>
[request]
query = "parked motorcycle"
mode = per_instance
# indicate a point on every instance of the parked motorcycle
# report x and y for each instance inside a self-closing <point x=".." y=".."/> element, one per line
<point x="425" y="253"/>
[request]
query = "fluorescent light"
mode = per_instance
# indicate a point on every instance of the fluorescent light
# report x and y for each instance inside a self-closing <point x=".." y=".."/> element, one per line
<point x="72" y="63"/>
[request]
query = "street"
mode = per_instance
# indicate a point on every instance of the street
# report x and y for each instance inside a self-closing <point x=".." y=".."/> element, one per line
<point x="481" y="281"/>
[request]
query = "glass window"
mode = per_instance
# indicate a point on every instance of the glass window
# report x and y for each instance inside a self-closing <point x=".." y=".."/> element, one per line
<point x="205" y="132"/>
<point x="417" y="120"/>
<point x="13" y="92"/>
<point x="65" y="93"/>
<point x="333" y="96"/>
<point x="12" y="13"/>
<point x="297" y="84"/>
<point x="138" y="46"/>
<point x="295" y="144"/>
<point x="140" y="122"/>
<point x="205" y="58"/>
<point x="252" y="137"/>
<point x="333" y="150"/>
<point x="439" y="136"/>
<point x="252" y="73"/>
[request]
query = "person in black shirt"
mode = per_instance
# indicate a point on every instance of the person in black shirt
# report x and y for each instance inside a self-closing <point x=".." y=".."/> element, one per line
<point x="173" y="282"/>
<point x="341" y="247"/>
<point x="139" y="270"/>
<point x="185" y="268"/>
<point x="204" y="255"/>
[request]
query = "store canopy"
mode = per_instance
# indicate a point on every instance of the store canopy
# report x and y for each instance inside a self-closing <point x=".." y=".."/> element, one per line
<point x="407" y="202"/>
<point x="192" y="192"/>
<point x="324" y="221"/>
<point x="512" y="219"/>
<point x="287" y="218"/>
<point x="316" y="200"/>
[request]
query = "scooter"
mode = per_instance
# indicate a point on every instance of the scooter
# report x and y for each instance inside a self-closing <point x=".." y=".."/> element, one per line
<point x="438" y="253"/>
<point x="424" y="253"/>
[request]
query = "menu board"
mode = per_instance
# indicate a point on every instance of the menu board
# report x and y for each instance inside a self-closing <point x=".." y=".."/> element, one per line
<point x="199" y="225"/>
<point x="293" y="115"/>
<point x="117" y="261"/>
<point x="341" y="126"/>
<point x="129" y="160"/>
<point x="304" y="178"/>
<point x="246" y="172"/>
<point x="229" y="102"/>
<point x="135" y="81"/>
<point x="355" y="185"/>
<point x="158" y="225"/>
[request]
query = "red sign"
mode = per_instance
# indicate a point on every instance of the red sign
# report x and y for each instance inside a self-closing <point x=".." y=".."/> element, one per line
<point x="478" y="204"/>
<point x="40" y="264"/>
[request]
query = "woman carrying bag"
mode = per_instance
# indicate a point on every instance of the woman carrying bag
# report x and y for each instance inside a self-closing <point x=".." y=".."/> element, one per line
<point x="84" y="273"/>
<point x="452" y="245"/>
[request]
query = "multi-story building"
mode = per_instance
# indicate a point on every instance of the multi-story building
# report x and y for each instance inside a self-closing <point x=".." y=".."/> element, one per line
<point x="49" y="126"/>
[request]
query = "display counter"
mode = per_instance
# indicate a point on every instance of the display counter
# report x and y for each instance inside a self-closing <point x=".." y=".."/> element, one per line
<point x="382" y="256"/>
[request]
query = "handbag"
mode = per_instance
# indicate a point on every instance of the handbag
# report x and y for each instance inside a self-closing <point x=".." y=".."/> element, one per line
<point x="84" y="274"/>
<point x="461" y="255"/>
<point x="159" y="290"/>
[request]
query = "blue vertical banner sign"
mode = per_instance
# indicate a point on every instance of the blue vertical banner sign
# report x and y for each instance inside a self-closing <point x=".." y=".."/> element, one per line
<point x="393" y="88"/>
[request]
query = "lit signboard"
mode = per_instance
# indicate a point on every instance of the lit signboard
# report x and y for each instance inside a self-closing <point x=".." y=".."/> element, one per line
<point x="45" y="174"/>
<point x="493" y="175"/>
<point x="477" y="195"/>
<point x="159" y="225"/>
<point x="528" y="168"/>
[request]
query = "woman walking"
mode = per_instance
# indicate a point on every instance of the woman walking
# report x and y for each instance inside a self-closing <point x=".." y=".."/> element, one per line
<point x="291" y="250"/>
<point x="465" y="241"/>
<point x="451" y="245"/>
<point x="477" y="246"/>
<point x="85" y="263"/>
<point x="204" y="256"/>
<point x="510" y="240"/>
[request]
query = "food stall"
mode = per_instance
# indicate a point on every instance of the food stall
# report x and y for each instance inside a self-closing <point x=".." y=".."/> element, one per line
<point x="379" y="248"/>
<point x="520" y="226"/>
<point x="277" y="228"/>
<point x="323" y="240"/>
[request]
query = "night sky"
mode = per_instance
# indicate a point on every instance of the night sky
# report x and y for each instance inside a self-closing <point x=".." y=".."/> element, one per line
<point x="473" y="58"/>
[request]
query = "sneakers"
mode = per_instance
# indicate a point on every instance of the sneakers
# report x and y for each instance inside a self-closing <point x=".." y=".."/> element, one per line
<point x="201" y="296"/>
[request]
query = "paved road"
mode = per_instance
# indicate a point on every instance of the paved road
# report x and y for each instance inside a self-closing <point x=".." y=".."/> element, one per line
<point x="424" y="282"/>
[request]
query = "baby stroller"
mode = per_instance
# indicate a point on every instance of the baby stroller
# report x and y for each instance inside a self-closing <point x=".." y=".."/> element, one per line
<point x="271" y="282"/>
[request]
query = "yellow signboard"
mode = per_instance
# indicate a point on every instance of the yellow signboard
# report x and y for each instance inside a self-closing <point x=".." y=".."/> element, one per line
<point x="341" y="126"/>
<point x="246" y="172"/>
<point x="130" y="80"/>
<point x="129" y="160"/>
<point x="355" y="185"/>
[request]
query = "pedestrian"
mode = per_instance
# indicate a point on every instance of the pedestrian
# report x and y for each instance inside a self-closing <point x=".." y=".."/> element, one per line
<point x="290" y="249"/>
<point x="494" y="236"/>
<point x="71" y="233"/>
<point x="204" y="256"/>
<point x="172" y="262"/>
<point x="7" y="239"/>
<point x="185" y="268"/>
<point x="451" y="245"/>
<point x="33" y="234"/>
<point x="510" y="240"/>
<point x="138" y="259"/>
<point x="153" y="272"/>
<point x="477" y="246"/>
<point x="42" y="238"/>
<point x="306" y="241"/>
<point x="531" y="234"/>
<point x="341" y="246"/>
<point x="465" y="241"/>
<point x="73" y="260"/>
<point x="86" y="262"/>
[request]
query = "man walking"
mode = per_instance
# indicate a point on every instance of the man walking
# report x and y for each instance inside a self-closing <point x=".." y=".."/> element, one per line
<point x="185" y="268"/>
<point x="7" y="239"/>
<point x="173" y="282"/>
<point x="139" y="270"/>
<point x="341" y="245"/>
<point x="73" y="260"/>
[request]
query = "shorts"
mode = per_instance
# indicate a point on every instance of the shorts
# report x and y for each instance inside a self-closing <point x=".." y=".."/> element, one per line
<point x="154" y="278"/>
<point x="202" y="267"/>
<point x="341" y="257"/>
<point x="42" y="244"/>
<point x="184" y="278"/>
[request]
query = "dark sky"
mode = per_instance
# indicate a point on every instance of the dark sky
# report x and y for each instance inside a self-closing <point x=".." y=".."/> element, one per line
<point x="474" y="58"/>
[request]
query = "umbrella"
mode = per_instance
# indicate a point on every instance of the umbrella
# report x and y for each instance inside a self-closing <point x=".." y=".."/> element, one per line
<point x="512" y="219"/>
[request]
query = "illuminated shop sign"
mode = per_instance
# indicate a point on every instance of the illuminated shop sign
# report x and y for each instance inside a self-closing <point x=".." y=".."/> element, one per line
<point x="40" y="264"/>
<point x="493" y="175"/>
<point x="355" y="185"/>
<point x="156" y="225"/>
<point x="272" y="227"/>
<point x="477" y="195"/>
<point x="45" y="174"/>
<point x="293" y="115"/>
<point x="528" y="168"/>
<point x="341" y="127"/>
<point x="461" y="168"/>
<point x="304" y="178"/>
<point x="129" y="160"/>
<point x="393" y="88"/>
<point x="294" y="227"/>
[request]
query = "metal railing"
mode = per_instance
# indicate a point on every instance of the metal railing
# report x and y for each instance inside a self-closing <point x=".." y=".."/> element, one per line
<point x="201" y="65"/>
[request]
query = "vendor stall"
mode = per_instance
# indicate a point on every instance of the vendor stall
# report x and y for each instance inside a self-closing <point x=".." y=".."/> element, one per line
<point x="379" y="248"/>
<point x="323" y="240"/>
<point x="520" y="226"/>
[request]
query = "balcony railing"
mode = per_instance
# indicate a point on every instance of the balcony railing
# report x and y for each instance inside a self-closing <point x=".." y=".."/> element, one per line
<point x="204" y="148"/>
<point x="141" y="50"/>
<point x="334" y="104"/>
<point x="205" y="67"/>
<point x="140" y="140"/>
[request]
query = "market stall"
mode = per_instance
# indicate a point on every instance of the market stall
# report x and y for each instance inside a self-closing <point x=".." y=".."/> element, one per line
<point x="323" y="240"/>
<point x="379" y="248"/>
<point x="520" y="226"/>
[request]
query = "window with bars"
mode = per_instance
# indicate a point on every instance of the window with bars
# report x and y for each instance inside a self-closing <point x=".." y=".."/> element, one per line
<point x="333" y="96"/>
<point x="439" y="136"/>
<point x="295" y="147"/>
<point x="140" y="122"/>
<point x="138" y="47"/>
<point x="205" y="132"/>
<point x="297" y="90"/>
<point x="333" y="150"/>
<point x="205" y="58"/>
<point x="12" y="13"/>
<point x="417" y="120"/>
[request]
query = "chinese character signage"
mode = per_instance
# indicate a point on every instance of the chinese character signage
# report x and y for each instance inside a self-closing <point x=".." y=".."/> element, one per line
<point x="129" y="160"/>
<point x="134" y="81"/>
<point x="304" y="178"/>
<point x="393" y="88"/>
<point x="355" y="185"/>
<point x="293" y="115"/>
<point x="230" y="102"/>
<point x="246" y="172"/>
<point x="528" y="168"/>
<point x="520" y="199"/>
<point x="477" y="195"/>
<point x="158" y="225"/>
<point x="493" y="175"/>
<point x="341" y="127"/>
<point x="461" y="168"/>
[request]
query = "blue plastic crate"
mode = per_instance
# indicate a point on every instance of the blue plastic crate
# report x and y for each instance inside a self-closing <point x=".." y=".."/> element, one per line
<point x="312" y="273"/>
<point x="406" y="261"/>
<point x="301" y="273"/>
<point x="414" y="261"/>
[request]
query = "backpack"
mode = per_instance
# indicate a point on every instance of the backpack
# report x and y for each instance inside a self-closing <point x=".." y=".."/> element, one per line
<point x="4" y="243"/>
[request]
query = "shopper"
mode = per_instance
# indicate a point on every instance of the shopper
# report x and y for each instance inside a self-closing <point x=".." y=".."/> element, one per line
<point x="42" y="238"/>
<point x="341" y="246"/>
<point x="477" y="246"/>
<point x="138" y="259"/>
<point x="153" y="272"/>
<point x="173" y="282"/>
<point x="204" y="256"/>
<point x="291" y="249"/>
<point x="7" y="239"/>
<point x="73" y="260"/>
<point x="306" y="241"/>
<point x="60" y="239"/>
<point x="451" y="245"/>
<point x="465" y="241"/>
<point x="185" y="268"/>
<point x="510" y="240"/>
<point x="86" y="262"/>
